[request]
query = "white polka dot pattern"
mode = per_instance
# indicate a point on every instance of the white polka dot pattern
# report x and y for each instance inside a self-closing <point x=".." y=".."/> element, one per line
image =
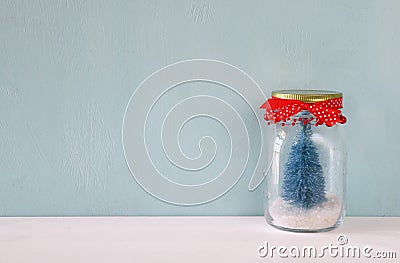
<point x="326" y="112"/>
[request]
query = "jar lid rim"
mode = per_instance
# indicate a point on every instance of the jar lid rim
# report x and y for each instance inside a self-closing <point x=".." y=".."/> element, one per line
<point x="307" y="96"/>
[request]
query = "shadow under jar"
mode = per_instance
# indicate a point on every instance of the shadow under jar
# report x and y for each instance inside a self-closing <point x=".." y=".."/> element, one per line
<point x="305" y="187"/>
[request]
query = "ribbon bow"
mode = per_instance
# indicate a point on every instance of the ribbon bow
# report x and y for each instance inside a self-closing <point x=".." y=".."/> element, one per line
<point x="325" y="111"/>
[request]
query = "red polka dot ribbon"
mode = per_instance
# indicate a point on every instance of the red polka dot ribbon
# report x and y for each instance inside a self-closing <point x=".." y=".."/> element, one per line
<point x="326" y="112"/>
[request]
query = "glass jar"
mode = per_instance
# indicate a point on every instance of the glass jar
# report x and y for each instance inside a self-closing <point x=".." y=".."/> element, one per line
<point x="306" y="182"/>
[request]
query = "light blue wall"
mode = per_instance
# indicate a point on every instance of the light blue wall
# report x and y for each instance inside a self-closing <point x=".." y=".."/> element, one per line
<point x="68" y="68"/>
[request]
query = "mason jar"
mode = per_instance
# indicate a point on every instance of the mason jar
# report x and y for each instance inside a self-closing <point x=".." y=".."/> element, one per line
<point x="305" y="186"/>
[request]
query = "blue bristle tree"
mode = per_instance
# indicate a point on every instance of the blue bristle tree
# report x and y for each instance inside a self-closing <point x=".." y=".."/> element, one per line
<point x="303" y="183"/>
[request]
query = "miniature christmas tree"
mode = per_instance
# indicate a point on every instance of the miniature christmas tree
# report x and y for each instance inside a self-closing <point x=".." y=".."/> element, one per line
<point x="303" y="182"/>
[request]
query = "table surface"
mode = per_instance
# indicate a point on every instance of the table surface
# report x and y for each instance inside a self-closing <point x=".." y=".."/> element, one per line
<point x="189" y="239"/>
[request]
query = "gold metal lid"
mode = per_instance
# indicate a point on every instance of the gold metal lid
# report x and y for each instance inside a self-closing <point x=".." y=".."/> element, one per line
<point x="307" y="96"/>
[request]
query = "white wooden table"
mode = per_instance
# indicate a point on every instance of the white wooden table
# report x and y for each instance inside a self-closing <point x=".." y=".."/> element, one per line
<point x="183" y="239"/>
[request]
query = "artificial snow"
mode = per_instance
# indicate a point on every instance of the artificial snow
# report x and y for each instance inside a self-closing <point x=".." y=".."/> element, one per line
<point x="324" y="215"/>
